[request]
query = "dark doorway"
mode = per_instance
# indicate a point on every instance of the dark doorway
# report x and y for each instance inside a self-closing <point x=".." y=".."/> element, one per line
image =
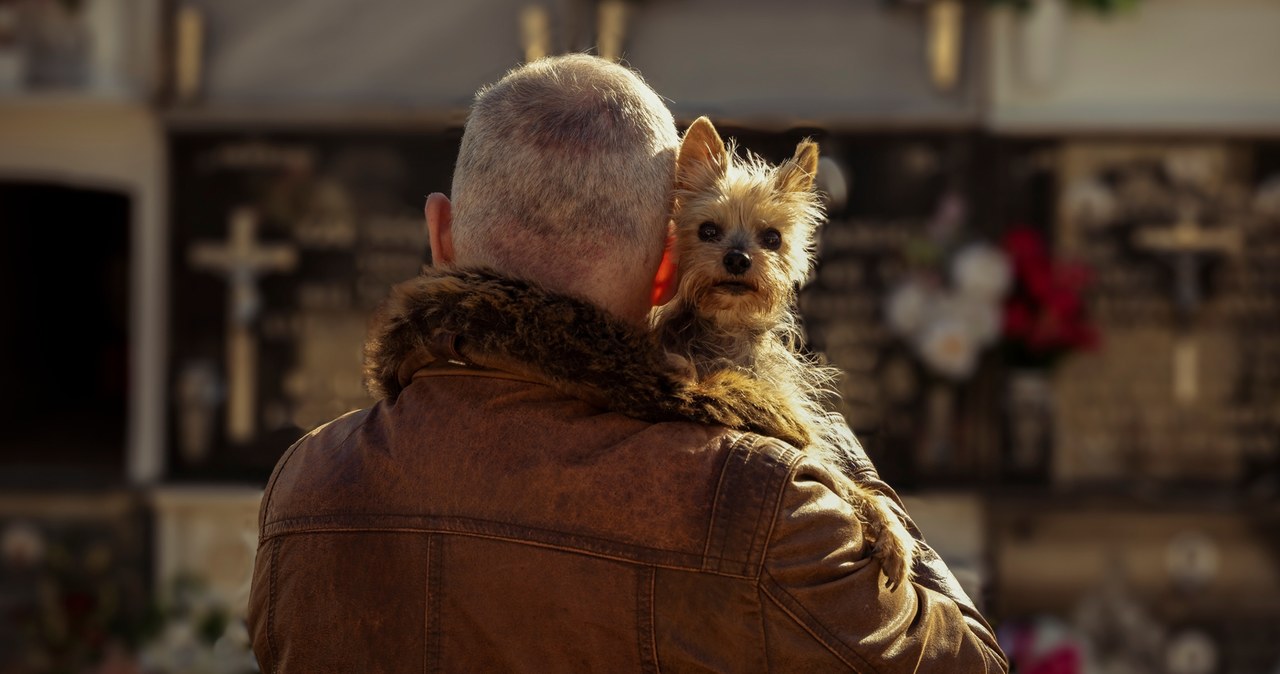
<point x="64" y="318"/>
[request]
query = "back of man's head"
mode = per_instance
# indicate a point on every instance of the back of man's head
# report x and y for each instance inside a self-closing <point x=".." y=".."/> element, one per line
<point x="564" y="177"/>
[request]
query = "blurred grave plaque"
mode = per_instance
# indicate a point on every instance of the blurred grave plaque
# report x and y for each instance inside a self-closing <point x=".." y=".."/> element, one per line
<point x="270" y="304"/>
<point x="1183" y="389"/>
<point x="207" y="534"/>
<point x="1187" y="246"/>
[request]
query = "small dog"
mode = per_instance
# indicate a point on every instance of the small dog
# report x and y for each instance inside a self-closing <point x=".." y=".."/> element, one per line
<point x="744" y="241"/>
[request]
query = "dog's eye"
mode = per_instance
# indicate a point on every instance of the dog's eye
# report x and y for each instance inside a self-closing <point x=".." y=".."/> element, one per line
<point x="708" y="231"/>
<point x="771" y="239"/>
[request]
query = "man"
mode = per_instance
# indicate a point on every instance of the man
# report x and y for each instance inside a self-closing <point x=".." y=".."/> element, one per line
<point x="491" y="513"/>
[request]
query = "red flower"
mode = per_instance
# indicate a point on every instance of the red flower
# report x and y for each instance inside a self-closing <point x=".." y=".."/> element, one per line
<point x="1037" y="279"/>
<point x="1024" y="245"/>
<point x="1017" y="319"/>
<point x="1045" y="316"/>
<point x="1064" y="659"/>
<point x="78" y="604"/>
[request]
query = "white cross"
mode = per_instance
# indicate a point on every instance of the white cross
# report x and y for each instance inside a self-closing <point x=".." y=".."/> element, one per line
<point x="242" y="260"/>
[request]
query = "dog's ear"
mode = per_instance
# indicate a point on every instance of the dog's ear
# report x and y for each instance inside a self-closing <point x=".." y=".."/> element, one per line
<point x="797" y="173"/>
<point x="703" y="159"/>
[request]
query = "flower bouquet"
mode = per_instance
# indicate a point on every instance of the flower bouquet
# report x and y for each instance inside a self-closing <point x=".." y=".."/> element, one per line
<point x="947" y="312"/>
<point x="948" y="326"/>
<point x="1044" y="316"/>
<point x="1044" y="321"/>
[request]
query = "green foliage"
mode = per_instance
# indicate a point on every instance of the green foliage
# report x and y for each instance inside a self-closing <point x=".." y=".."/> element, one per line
<point x="211" y="626"/>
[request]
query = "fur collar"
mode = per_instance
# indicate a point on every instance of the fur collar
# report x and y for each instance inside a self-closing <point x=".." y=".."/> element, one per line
<point x="484" y="319"/>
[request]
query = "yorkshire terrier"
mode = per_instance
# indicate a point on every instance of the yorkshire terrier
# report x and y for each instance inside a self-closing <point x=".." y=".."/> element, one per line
<point x="744" y="244"/>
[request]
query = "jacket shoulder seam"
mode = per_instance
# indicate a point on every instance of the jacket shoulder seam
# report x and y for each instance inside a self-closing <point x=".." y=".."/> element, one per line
<point x="584" y="544"/>
<point x="284" y="461"/>
<point x="793" y="466"/>
<point x="809" y="623"/>
<point x="271" y="604"/>
<point x="749" y="479"/>
<point x="271" y="484"/>
<point x="715" y="497"/>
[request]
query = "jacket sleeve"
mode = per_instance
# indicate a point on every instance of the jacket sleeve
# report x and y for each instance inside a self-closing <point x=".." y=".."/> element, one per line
<point x="824" y="599"/>
<point x="929" y="569"/>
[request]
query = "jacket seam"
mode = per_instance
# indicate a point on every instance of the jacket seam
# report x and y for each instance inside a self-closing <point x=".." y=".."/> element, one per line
<point x="271" y="483"/>
<point x="764" y="632"/>
<point x="435" y="572"/>
<point x="792" y="607"/>
<point x="441" y="524"/>
<point x="715" y="498"/>
<point x="477" y="371"/>
<point x="426" y="608"/>
<point x="760" y="508"/>
<point x="722" y="531"/>
<point x="284" y="462"/>
<point x="653" y="618"/>
<point x="645" y="621"/>
<point x="789" y="461"/>
<point x="522" y="541"/>
<point x="777" y="509"/>
<point x="271" y="605"/>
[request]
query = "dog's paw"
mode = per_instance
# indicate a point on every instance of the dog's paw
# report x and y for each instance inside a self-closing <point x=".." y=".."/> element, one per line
<point x="893" y="546"/>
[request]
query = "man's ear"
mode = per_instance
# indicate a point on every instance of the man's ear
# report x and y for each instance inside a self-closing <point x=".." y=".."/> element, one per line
<point x="797" y="174"/>
<point x="440" y="229"/>
<point x="702" y="159"/>
<point x="664" y="282"/>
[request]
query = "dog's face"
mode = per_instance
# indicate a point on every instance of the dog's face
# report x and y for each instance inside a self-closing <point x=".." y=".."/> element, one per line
<point x="744" y="230"/>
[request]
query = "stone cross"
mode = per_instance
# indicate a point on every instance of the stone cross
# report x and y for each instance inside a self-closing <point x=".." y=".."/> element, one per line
<point x="1187" y="246"/>
<point x="242" y="260"/>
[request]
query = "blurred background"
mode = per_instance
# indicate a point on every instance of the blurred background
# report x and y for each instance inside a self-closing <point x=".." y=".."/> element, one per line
<point x="1051" y="273"/>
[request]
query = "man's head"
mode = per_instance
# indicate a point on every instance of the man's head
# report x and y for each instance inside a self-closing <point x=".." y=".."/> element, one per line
<point x="564" y="177"/>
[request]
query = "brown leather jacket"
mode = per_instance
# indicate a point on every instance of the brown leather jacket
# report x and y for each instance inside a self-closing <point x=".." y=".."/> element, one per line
<point x="482" y="519"/>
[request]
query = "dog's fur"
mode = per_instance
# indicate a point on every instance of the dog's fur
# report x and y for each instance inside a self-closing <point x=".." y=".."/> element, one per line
<point x="744" y="242"/>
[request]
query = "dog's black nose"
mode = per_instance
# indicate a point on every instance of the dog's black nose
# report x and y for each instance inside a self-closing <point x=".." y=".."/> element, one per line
<point x="737" y="262"/>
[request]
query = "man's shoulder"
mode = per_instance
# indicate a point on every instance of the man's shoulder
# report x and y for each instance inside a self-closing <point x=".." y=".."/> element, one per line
<point x="748" y="498"/>
<point x="329" y="436"/>
<point x="335" y="431"/>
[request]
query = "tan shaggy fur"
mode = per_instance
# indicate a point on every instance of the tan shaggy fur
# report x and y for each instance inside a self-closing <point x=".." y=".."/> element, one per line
<point x="745" y="236"/>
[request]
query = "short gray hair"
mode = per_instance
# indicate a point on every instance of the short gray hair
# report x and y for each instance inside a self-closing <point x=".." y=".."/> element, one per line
<point x="566" y="167"/>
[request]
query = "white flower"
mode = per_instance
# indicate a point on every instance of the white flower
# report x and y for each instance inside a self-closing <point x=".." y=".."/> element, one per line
<point x="908" y="307"/>
<point x="980" y="270"/>
<point x="831" y="182"/>
<point x="979" y="316"/>
<point x="948" y="348"/>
